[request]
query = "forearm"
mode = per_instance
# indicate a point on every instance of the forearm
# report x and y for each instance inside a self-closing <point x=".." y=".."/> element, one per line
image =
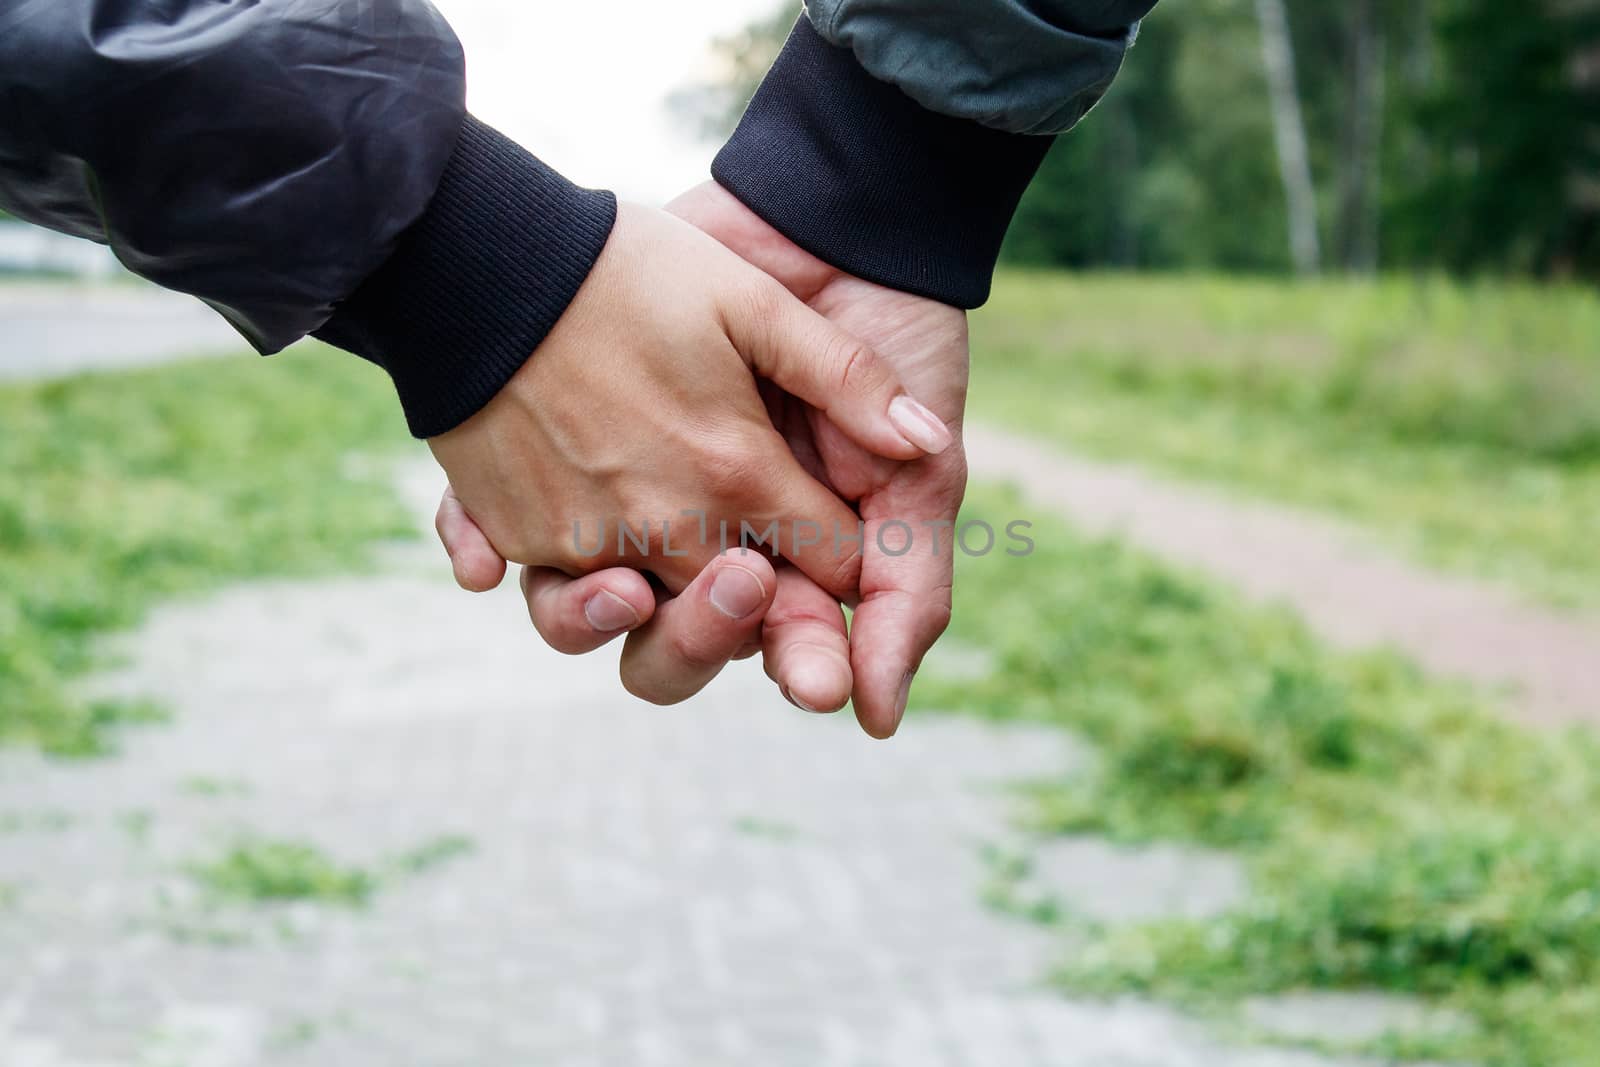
<point x="238" y="152"/>
<point x="477" y="283"/>
<point x="894" y="139"/>
<point x="302" y="166"/>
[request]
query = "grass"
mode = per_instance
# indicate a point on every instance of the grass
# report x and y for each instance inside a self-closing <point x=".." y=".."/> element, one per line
<point x="34" y="822"/>
<point x="766" y="829"/>
<point x="260" y="870"/>
<point x="428" y="855"/>
<point x="118" y="490"/>
<point x="204" y="785"/>
<point x="1462" y="422"/>
<point x="1401" y="837"/>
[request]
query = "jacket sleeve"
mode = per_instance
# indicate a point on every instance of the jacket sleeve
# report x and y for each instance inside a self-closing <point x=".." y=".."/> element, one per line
<point x="1034" y="68"/>
<point x="894" y="138"/>
<point x="302" y="166"/>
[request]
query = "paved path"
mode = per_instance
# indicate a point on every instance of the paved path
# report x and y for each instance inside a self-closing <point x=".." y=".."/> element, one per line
<point x="56" y="329"/>
<point x="1349" y="588"/>
<point x="727" y="883"/>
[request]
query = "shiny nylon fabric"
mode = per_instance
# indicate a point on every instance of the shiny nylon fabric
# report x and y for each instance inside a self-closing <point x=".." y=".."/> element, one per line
<point x="1022" y="66"/>
<point x="264" y="155"/>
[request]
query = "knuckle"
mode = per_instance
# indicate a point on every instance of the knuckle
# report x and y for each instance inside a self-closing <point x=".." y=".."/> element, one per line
<point x="855" y="368"/>
<point x="441" y="516"/>
<point x="784" y="618"/>
<point x="952" y="484"/>
<point x="758" y="305"/>
<point x="762" y="299"/>
<point x="579" y="553"/>
<point x="839" y="573"/>
<point x="735" y="471"/>
<point x="937" y="615"/>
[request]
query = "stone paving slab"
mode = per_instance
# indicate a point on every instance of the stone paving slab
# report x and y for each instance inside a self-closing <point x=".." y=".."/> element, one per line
<point x="726" y="883"/>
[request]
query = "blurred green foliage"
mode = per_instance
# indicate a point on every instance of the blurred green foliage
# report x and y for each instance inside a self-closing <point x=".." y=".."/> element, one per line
<point x="120" y="489"/>
<point x="1486" y="142"/>
<point x="265" y="871"/>
<point x="262" y="870"/>
<point x="1463" y="420"/>
<point x="1461" y="135"/>
<point x="1400" y="836"/>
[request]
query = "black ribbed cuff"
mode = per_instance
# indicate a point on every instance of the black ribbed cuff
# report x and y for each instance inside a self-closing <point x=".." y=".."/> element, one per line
<point x="860" y="175"/>
<point x="477" y="283"/>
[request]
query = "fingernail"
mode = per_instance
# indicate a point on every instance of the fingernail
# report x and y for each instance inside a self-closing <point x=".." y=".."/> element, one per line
<point x="608" y="613"/>
<point x="904" y="699"/>
<point x="736" y="592"/>
<point x="822" y="677"/>
<point x="796" y="701"/>
<point x="919" y="425"/>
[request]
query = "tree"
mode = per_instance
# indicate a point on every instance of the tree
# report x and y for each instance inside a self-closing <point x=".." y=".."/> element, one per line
<point x="1512" y="129"/>
<point x="1279" y="135"/>
<point x="1289" y="129"/>
<point x="1356" y="225"/>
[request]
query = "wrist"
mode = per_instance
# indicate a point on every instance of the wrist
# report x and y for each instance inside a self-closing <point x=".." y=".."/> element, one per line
<point x="715" y="211"/>
<point x="855" y="172"/>
<point x="477" y="283"/>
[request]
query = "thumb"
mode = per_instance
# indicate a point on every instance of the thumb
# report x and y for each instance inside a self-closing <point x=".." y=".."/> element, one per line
<point x="478" y="567"/>
<point x="788" y="343"/>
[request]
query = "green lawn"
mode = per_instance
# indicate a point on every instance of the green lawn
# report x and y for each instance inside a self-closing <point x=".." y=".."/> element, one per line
<point x="118" y="490"/>
<point x="1461" y="422"/>
<point x="1401" y="837"/>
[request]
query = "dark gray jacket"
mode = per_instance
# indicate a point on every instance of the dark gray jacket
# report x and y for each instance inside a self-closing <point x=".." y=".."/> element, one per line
<point x="1023" y="66"/>
<point x="308" y="165"/>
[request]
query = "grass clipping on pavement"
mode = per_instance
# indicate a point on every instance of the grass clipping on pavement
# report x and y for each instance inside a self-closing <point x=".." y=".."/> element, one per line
<point x="117" y="490"/>
<point x="1400" y="836"/>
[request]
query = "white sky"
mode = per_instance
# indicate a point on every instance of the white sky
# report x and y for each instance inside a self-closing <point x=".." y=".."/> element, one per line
<point x="583" y="83"/>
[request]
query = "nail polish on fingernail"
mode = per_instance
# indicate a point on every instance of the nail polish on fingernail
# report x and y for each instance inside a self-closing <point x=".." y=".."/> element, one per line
<point x="919" y="425"/>
<point x="608" y="613"/>
<point x="737" y="592"/>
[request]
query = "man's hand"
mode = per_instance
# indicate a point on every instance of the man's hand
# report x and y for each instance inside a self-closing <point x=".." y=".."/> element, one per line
<point x="642" y="404"/>
<point x="904" y="600"/>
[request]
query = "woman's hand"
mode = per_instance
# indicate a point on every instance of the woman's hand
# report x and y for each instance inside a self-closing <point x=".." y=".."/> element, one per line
<point x="642" y="407"/>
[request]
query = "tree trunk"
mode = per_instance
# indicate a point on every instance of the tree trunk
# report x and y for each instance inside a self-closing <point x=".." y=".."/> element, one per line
<point x="1289" y="128"/>
<point x="1360" y="159"/>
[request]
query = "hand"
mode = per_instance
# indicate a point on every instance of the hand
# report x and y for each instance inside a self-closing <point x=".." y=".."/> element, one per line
<point x="641" y="405"/>
<point x="905" y="601"/>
